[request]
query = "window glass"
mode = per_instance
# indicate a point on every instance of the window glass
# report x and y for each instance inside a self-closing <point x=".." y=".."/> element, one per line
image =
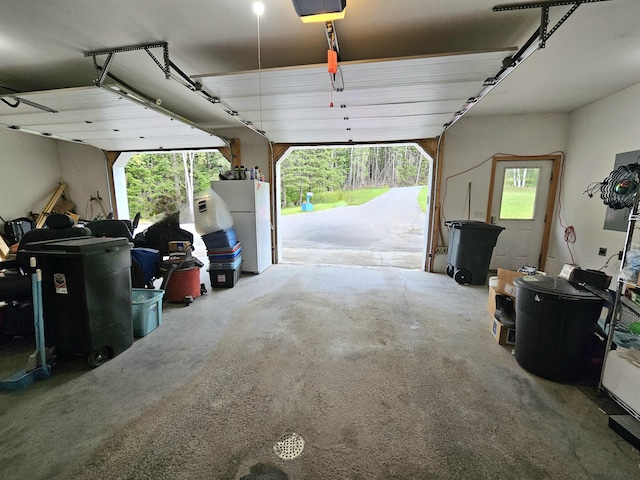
<point x="519" y="193"/>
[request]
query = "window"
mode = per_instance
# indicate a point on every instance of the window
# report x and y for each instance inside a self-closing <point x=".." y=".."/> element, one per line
<point x="519" y="192"/>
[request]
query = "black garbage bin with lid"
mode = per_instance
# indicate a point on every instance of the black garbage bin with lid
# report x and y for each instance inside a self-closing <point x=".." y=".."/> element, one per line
<point x="470" y="248"/>
<point x="86" y="295"/>
<point x="555" y="320"/>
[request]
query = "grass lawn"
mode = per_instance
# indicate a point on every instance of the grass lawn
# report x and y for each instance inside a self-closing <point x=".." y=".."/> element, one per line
<point x="423" y="198"/>
<point x="518" y="202"/>
<point x="340" y="198"/>
<point x="343" y="198"/>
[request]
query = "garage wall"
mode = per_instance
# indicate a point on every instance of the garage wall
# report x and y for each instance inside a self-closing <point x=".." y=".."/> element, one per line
<point x="470" y="145"/>
<point x="33" y="166"/>
<point x="597" y="133"/>
<point x="590" y="137"/>
<point x="84" y="169"/>
<point x="30" y="173"/>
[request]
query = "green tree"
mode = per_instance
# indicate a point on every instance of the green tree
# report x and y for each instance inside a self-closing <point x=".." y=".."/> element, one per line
<point x="352" y="168"/>
<point x="308" y="171"/>
<point x="161" y="183"/>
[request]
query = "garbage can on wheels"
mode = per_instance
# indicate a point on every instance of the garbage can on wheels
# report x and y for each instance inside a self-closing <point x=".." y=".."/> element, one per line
<point x="470" y="247"/>
<point x="555" y="320"/>
<point x="86" y="290"/>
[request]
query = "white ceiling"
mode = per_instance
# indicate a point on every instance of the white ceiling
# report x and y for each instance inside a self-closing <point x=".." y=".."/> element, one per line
<point x="42" y="45"/>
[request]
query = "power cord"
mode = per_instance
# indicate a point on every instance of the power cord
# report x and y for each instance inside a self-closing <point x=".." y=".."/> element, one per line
<point x="608" y="260"/>
<point x="570" y="236"/>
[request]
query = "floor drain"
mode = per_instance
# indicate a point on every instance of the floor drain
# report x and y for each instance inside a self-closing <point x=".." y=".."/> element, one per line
<point x="289" y="446"/>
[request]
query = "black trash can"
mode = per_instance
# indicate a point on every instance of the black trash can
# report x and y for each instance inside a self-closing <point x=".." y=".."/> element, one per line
<point x="470" y="247"/>
<point x="86" y="295"/>
<point x="555" y="320"/>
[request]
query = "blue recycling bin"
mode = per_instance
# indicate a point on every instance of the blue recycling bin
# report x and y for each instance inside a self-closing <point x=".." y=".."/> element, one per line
<point x="308" y="206"/>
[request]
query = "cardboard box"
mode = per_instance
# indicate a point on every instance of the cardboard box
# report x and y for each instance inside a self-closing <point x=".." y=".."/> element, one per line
<point x="503" y="334"/>
<point x="4" y="249"/>
<point x="505" y="281"/>
<point x="491" y="304"/>
<point x="505" y="287"/>
<point x="179" y="246"/>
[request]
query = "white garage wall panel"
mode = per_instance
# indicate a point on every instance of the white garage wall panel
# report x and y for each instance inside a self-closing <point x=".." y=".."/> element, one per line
<point x="474" y="140"/>
<point x="598" y="132"/>
<point x="30" y="173"/>
<point x="33" y="166"/>
<point x="590" y="137"/>
<point x="84" y="170"/>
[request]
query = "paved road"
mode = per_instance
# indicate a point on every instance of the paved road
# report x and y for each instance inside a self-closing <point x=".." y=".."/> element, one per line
<point x="388" y="230"/>
<point x="391" y="222"/>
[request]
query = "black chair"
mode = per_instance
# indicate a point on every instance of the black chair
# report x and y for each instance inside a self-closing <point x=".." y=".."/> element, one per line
<point x="110" y="228"/>
<point x="133" y="224"/>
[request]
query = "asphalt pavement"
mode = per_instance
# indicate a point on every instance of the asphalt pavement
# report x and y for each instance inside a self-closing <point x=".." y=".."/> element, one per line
<point x="386" y="231"/>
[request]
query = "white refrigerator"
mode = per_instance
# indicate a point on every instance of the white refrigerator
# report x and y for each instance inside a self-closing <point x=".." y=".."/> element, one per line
<point x="248" y="201"/>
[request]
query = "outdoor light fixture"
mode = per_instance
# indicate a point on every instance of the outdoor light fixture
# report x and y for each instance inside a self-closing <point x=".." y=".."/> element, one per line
<point x="320" y="10"/>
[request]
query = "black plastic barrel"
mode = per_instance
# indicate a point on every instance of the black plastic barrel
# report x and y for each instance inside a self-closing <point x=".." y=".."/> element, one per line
<point x="86" y="294"/>
<point x="470" y="248"/>
<point x="555" y="321"/>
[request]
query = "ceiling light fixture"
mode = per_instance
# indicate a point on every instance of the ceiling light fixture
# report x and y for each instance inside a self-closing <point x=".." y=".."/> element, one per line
<point x="311" y="11"/>
<point x="258" y="8"/>
<point x="323" y="17"/>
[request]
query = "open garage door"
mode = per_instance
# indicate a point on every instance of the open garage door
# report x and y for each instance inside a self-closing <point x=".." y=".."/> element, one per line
<point x="369" y="207"/>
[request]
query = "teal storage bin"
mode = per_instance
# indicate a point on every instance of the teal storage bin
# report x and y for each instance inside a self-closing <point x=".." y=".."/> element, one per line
<point x="146" y="309"/>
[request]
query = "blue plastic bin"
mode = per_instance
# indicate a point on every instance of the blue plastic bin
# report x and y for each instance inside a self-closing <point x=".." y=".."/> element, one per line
<point x="220" y="239"/>
<point x="146" y="310"/>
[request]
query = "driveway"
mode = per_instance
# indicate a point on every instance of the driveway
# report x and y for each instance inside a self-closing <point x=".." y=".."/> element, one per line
<point x="386" y="231"/>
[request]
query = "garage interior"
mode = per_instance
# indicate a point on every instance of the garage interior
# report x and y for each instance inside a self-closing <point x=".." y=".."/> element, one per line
<point x="384" y="373"/>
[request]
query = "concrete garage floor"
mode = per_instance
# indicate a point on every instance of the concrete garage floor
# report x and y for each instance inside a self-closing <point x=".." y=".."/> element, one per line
<point x="385" y="373"/>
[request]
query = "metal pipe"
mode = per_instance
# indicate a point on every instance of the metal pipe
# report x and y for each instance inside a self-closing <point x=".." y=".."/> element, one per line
<point x="40" y="330"/>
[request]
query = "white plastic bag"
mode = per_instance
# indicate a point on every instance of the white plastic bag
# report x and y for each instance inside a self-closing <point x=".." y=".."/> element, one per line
<point x="211" y="214"/>
<point x="631" y="266"/>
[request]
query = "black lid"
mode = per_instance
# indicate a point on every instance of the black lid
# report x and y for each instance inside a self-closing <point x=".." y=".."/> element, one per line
<point x="554" y="285"/>
<point x="86" y="245"/>
<point x="471" y="224"/>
